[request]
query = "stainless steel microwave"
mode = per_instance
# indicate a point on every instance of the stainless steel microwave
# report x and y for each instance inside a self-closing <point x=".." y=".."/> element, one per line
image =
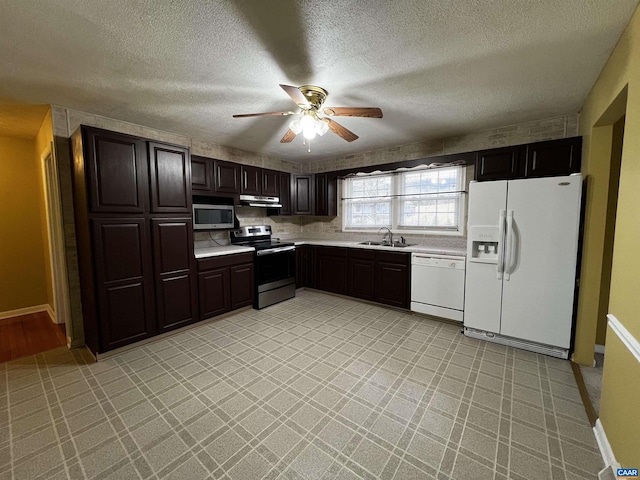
<point x="213" y="217"/>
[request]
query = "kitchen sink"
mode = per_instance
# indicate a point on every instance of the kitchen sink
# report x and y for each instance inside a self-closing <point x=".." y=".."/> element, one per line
<point x="384" y="244"/>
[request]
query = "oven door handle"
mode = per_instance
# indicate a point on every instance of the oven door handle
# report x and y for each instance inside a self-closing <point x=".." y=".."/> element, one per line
<point x="271" y="251"/>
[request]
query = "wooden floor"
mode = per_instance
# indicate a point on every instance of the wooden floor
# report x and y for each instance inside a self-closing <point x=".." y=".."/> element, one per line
<point x="28" y="335"/>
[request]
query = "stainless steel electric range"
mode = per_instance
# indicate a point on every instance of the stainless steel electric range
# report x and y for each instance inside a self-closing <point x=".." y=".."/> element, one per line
<point x="275" y="264"/>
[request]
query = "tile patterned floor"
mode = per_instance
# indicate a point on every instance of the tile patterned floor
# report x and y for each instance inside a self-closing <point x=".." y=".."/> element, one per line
<point x="317" y="387"/>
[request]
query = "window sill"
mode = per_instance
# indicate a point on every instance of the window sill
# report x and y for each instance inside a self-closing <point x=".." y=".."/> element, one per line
<point x="435" y="233"/>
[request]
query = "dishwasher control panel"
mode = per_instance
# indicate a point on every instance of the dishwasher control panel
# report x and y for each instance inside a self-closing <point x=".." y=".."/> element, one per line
<point x="439" y="262"/>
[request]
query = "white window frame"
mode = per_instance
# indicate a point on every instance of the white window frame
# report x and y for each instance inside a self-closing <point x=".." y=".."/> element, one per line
<point x="396" y="204"/>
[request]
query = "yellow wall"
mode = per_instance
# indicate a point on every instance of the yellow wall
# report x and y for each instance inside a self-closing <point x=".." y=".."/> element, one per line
<point x="619" y="412"/>
<point x="42" y="148"/>
<point x="22" y="265"/>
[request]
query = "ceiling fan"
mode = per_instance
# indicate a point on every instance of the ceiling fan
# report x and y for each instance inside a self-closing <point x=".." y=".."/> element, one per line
<point x="313" y="119"/>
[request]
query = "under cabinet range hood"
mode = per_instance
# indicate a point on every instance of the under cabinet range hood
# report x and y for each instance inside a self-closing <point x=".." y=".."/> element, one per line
<point x="259" y="201"/>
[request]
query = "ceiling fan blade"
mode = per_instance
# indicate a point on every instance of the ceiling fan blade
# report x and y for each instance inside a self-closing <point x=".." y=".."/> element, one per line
<point x="296" y="95"/>
<point x="339" y="130"/>
<point x="371" y="112"/>
<point x="288" y="137"/>
<point x="264" y="114"/>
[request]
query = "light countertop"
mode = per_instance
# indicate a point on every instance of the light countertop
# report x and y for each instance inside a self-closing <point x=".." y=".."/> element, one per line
<point x="352" y="244"/>
<point x="232" y="249"/>
<point x="218" y="251"/>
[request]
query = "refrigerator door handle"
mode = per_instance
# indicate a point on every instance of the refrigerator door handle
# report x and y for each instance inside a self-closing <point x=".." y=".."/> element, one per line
<point x="509" y="254"/>
<point x="500" y="265"/>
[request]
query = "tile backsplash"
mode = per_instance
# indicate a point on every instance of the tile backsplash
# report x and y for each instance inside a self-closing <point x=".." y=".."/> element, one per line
<point x="282" y="227"/>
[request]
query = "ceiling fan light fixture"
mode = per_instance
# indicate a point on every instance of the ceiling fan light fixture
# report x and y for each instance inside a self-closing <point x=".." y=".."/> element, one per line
<point x="309" y="133"/>
<point x="310" y="99"/>
<point x="295" y="126"/>
<point x="321" y="127"/>
<point x="308" y="123"/>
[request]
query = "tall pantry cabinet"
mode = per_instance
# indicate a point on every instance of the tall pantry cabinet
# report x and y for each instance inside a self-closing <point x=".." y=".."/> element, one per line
<point x="132" y="200"/>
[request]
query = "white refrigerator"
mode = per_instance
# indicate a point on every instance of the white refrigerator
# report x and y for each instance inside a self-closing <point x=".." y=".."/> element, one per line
<point x="522" y="249"/>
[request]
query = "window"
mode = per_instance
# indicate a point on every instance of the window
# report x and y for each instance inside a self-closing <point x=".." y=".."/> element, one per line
<point x="369" y="203"/>
<point x="417" y="201"/>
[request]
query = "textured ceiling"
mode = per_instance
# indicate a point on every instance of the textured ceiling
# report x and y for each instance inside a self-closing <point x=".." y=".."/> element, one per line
<point x="436" y="68"/>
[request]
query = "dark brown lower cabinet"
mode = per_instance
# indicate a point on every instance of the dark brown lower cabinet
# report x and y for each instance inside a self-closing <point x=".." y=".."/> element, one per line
<point x="392" y="278"/>
<point x="214" y="292"/>
<point x="331" y="269"/>
<point x="124" y="282"/>
<point x="375" y="275"/>
<point x="305" y="266"/>
<point x="225" y="283"/>
<point x="175" y="276"/>
<point x="241" y="277"/>
<point x="360" y="273"/>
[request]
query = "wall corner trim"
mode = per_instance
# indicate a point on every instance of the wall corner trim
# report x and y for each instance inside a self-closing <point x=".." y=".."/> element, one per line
<point x="625" y="336"/>
<point x="52" y="314"/>
<point x="604" y="446"/>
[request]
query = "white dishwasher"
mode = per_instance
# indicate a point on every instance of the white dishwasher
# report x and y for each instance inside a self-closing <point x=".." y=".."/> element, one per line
<point x="437" y="285"/>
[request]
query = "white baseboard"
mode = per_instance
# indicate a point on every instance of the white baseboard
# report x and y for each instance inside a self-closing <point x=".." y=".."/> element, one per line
<point x="599" y="348"/>
<point x="604" y="446"/>
<point x="24" y="311"/>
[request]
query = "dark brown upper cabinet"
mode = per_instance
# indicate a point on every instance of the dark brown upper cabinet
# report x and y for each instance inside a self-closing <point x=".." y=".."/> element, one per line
<point x="226" y="177"/>
<point x="308" y="194"/>
<point x="251" y="180"/>
<point x="541" y="159"/>
<point x="117" y="171"/>
<point x="201" y="175"/>
<point x="498" y="164"/>
<point x="259" y="181"/>
<point x="270" y="183"/>
<point x="285" y="193"/>
<point x="553" y="158"/>
<point x="175" y="275"/>
<point x="302" y="194"/>
<point x="170" y="176"/>
<point x="326" y="191"/>
<point x="124" y="281"/>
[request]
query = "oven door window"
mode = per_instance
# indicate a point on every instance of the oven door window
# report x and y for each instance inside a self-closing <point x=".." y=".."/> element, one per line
<point x="275" y="266"/>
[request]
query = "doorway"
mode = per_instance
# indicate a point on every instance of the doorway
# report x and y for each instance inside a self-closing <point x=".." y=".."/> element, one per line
<point x="51" y="187"/>
<point x="36" y="328"/>
<point x="610" y="126"/>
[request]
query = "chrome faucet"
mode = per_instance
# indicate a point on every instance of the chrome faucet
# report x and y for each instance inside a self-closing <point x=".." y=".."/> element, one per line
<point x="385" y="235"/>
